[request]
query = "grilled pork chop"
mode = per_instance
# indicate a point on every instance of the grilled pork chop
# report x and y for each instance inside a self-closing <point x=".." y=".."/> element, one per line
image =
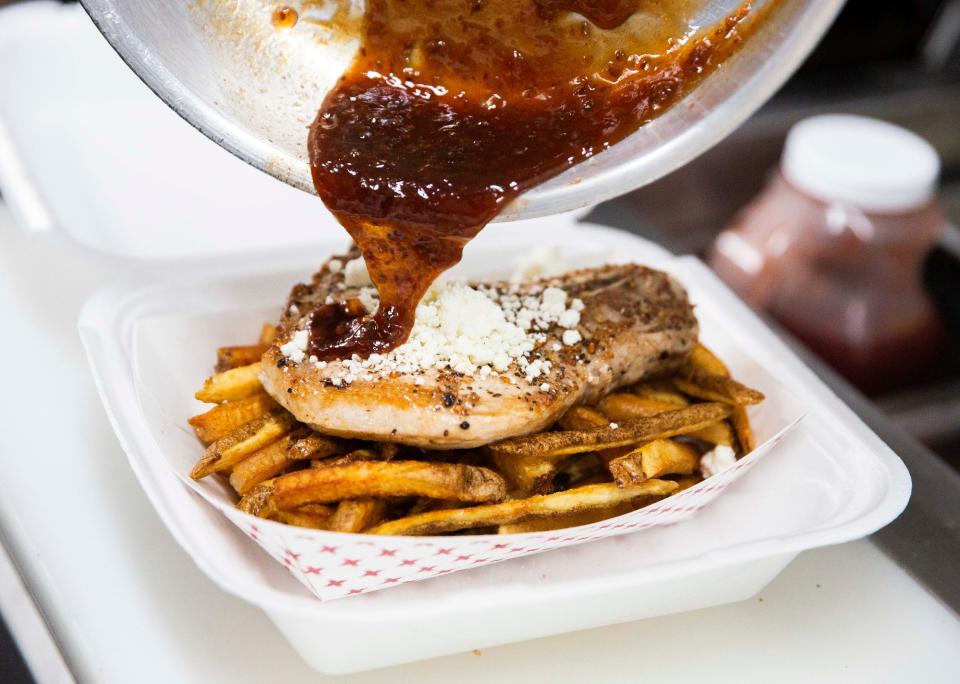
<point x="634" y="323"/>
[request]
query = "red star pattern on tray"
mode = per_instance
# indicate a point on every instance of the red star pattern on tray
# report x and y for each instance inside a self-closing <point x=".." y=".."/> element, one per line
<point x="334" y="565"/>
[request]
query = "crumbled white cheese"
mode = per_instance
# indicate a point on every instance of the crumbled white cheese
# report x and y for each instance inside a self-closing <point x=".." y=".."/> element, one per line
<point x="554" y="301"/>
<point x="534" y="369"/>
<point x="456" y="328"/>
<point x="569" y="319"/>
<point x="717" y="459"/>
<point x="370" y="299"/>
<point x="538" y="310"/>
<point x="614" y="426"/>
<point x="541" y="262"/>
<point x="334" y="265"/>
<point x="294" y="310"/>
<point x="355" y="273"/>
<point x="577" y="304"/>
<point x="481" y="331"/>
<point x="295" y="349"/>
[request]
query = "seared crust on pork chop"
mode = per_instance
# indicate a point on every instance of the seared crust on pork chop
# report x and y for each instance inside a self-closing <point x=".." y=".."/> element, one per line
<point x="635" y="323"/>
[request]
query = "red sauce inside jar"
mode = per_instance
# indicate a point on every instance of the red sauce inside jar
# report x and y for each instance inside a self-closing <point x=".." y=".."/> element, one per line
<point x="844" y="281"/>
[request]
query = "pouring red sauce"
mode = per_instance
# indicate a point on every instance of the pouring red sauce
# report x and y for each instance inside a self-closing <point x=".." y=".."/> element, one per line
<point x="451" y="110"/>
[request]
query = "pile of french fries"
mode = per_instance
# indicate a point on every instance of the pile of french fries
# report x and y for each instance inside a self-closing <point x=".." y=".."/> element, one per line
<point x="636" y="446"/>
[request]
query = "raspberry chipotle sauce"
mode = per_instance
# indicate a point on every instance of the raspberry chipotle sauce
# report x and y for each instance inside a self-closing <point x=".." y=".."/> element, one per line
<point x="453" y="108"/>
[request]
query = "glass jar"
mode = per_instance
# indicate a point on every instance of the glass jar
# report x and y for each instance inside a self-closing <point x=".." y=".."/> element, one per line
<point x="834" y="245"/>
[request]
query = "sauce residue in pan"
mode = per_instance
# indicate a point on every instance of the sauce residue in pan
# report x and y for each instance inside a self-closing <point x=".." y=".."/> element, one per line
<point x="452" y="109"/>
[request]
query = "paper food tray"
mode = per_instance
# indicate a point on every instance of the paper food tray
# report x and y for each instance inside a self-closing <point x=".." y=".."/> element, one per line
<point x="335" y="564"/>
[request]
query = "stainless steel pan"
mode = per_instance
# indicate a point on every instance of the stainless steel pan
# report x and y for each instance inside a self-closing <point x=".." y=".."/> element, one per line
<point x="254" y="89"/>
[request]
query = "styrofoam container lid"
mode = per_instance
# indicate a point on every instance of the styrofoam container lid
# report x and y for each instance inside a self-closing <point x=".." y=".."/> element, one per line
<point x="89" y="155"/>
<point x="871" y="164"/>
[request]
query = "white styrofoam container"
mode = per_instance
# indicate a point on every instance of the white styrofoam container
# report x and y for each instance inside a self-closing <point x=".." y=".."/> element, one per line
<point x="830" y="480"/>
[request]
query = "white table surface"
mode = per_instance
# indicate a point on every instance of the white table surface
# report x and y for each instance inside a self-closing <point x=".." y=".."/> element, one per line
<point x="126" y="604"/>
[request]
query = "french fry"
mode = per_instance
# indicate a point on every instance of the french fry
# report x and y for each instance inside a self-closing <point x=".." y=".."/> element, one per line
<point x="263" y="464"/>
<point x="583" y="418"/>
<point x="375" y="479"/>
<point x="223" y="419"/>
<point x="227" y="452"/>
<point x="554" y="445"/>
<point x="687" y="481"/>
<point x="527" y="474"/>
<point x="518" y="510"/>
<point x="701" y="357"/>
<point x="600" y="477"/>
<point x="387" y="451"/>
<point x="353" y="457"/>
<point x="622" y="406"/>
<point x="660" y="391"/>
<point x="259" y="500"/>
<point x="578" y="469"/>
<point x="315" y="445"/>
<point x="530" y="462"/>
<point x="741" y="426"/>
<point x="654" y="459"/>
<point x="275" y="459"/>
<point x="316" y="509"/>
<point x="358" y="515"/>
<point x="234" y="357"/>
<point x="424" y="504"/>
<point x="607" y="455"/>
<point x="708" y="361"/>
<point x="236" y="383"/>
<point x="712" y="387"/>
<point x="560" y="522"/>
<point x="716" y="433"/>
<point x="268" y="334"/>
<point x="301" y="519"/>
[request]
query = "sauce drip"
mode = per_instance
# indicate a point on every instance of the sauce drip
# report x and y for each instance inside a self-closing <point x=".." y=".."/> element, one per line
<point x="284" y="17"/>
<point x="452" y="109"/>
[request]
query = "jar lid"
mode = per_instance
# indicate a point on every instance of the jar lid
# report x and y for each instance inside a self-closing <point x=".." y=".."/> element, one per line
<point x="871" y="164"/>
